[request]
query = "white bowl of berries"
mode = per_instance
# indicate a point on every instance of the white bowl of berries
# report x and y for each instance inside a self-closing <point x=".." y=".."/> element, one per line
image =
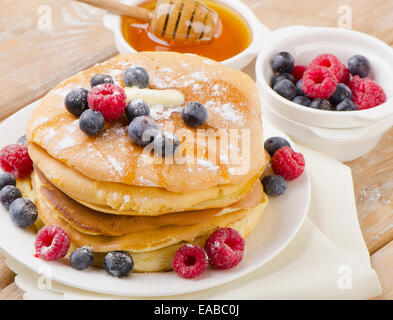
<point x="328" y="88"/>
<point x="334" y="65"/>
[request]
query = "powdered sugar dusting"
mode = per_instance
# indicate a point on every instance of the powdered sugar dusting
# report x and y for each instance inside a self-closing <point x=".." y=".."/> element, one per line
<point x="117" y="165"/>
<point x="158" y="112"/>
<point x="66" y="142"/>
<point x="226" y="111"/>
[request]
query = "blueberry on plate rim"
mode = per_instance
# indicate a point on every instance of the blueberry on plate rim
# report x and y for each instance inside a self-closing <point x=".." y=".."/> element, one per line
<point x="7" y="179"/>
<point x="82" y="258"/>
<point x="274" y="185"/>
<point x="272" y="144"/>
<point x="118" y="264"/>
<point x="8" y="195"/>
<point x="23" y="212"/>
<point x="22" y="140"/>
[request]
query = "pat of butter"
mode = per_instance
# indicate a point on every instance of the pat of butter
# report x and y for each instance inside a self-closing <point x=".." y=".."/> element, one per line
<point x="166" y="98"/>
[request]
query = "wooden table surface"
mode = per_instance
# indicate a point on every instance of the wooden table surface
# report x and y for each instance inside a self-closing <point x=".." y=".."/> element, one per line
<point x="34" y="58"/>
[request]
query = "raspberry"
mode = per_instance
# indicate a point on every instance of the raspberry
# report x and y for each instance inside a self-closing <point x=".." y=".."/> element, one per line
<point x="225" y="248"/>
<point x="330" y="62"/>
<point x="346" y="76"/>
<point x="298" y="72"/>
<point x="366" y="93"/>
<point x="288" y="163"/>
<point x="319" y="82"/>
<point x="189" y="261"/>
<point x="51" y="243"/>
<point x="15" y="159"/>
<point x="109" y="99"/>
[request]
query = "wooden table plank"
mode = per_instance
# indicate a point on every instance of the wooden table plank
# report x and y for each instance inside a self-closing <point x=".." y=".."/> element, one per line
<point x="32" y="61"/>
<point x="373" y="182"/>
<point x="382" y="262"/>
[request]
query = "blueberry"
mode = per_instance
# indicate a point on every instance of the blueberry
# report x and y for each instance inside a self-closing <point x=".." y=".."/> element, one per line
<point x="346" y="105"/>
<point x="274" y="143"/>
<point x="136" y="108"/>
<point x="8" y="194"/>
<point x="274" y="185"/>
<point x="22" y="140"/>
<point x="23" y="212"/>
<point x="299" y="88"/>
<point x="118" y="263"/>
<point x="359" y="65"/>
<point x="6" y="179"/>
<point x="303" y="100"/>
<point x="82" y="258"/>
<point x="142" y="130"/>
<point x="342" y="92"/>
<point x="76" y="101"/>
<point x="283" y="62"/>
<point x="194" y="114"/>
<point x="100" y="79"/>
<point x="282" y="76"/>
<point x="165" y="144"/>
<point x="91" y="122"/>
<point x="286" y="89"/>
<point x="136" y="76"/>
<point x="321" y="104"/>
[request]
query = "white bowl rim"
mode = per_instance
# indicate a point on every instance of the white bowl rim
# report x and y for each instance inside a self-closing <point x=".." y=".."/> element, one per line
<point x="258" y="30"/>
<point x="371" y="114"/>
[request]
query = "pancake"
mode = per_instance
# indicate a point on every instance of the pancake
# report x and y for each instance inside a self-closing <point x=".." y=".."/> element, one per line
<point x="147" y="240"/>
<point x="112" y="160"/>
<point x="118" y="198"/>
<point x="92" y="222"/>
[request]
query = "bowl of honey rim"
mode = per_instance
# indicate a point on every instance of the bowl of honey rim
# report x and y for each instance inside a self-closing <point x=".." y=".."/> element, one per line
<point x="238" y="41"/>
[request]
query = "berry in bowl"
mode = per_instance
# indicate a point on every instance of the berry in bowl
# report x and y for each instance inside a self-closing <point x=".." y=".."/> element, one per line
<point x="328" y="88"/>
<point x="315" y="51"/>
<point x="327" y="83"/>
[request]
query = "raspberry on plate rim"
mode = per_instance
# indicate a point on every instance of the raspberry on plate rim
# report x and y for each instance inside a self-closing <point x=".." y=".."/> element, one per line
<point x="15" y="159"/>
<point x="225" y="248"/>
<point x="52" y="243"/>
<point x="189" y="261"/>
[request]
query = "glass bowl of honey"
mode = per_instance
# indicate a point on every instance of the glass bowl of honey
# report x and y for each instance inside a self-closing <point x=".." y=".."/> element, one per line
<point x="238" y="41"/>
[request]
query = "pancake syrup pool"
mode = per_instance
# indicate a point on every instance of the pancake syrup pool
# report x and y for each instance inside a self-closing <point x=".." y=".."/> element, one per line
<point x="233" y="38"/>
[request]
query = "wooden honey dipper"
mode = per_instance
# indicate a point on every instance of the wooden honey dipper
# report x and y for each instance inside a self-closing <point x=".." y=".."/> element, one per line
<point x="176" y="21"/>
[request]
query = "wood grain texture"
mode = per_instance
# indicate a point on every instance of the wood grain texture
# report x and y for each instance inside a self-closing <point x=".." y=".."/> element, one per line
<point x="32" y="61"/>
<point x="382" y="262"/>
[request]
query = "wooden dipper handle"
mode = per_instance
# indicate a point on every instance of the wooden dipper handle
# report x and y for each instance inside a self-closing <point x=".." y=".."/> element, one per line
<point x="122" y="8"/>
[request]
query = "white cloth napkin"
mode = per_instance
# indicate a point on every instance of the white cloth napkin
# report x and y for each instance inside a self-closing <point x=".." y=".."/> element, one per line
<point x="327" y="259"/>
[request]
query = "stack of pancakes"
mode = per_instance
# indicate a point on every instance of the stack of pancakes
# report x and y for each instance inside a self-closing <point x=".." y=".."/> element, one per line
<point x="103" y="192"/>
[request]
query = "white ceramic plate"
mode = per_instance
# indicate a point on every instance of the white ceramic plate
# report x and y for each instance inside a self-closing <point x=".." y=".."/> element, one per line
<point x="277" y="228"/>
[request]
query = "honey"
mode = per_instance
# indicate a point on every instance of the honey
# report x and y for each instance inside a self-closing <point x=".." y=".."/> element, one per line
<point x="235" y="35"/>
